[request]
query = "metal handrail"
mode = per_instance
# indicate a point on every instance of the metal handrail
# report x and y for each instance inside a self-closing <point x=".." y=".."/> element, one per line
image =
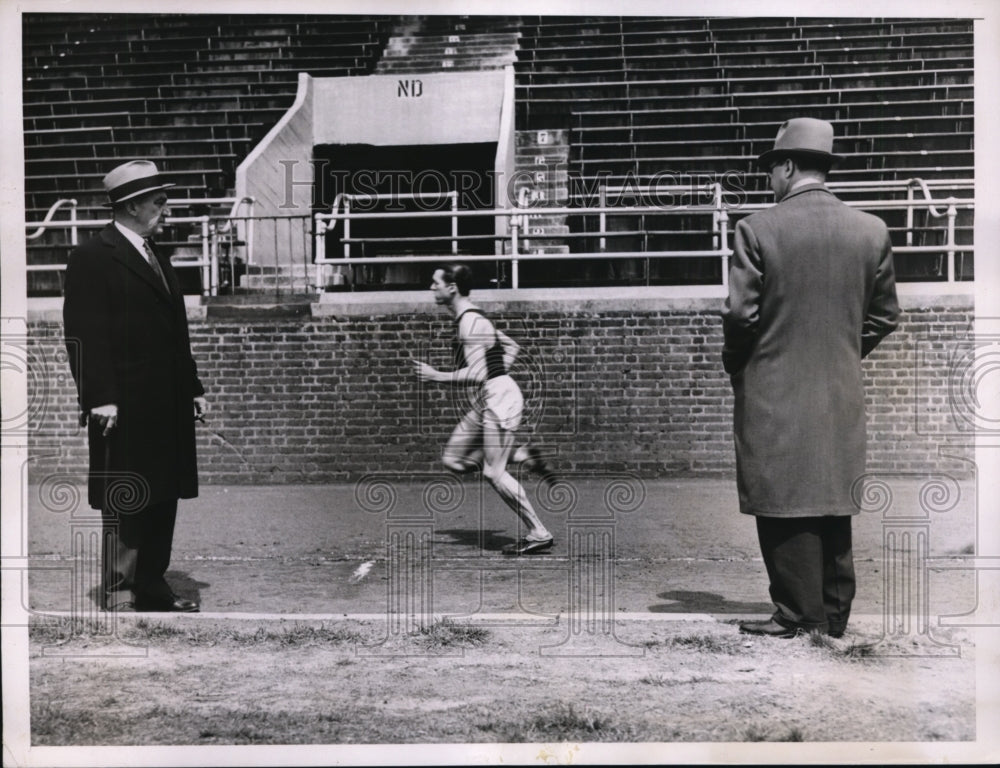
<point x="518" y="216"/>
<point x="47" y="221"/>
<point x="343" y="198"/>
<point x="209" y="237"/>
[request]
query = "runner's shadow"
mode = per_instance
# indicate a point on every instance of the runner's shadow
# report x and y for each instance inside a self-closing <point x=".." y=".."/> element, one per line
<point x="472" y="537"/>
<point x="705" y="602"/>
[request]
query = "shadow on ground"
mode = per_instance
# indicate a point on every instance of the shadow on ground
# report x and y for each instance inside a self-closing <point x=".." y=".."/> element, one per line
<point x="490" y="541"/>
<point x="705" y="602"/>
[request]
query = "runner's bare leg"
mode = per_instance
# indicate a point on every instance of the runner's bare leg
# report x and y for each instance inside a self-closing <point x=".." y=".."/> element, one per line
<point x="497" y="445"/>
<point x="464" y="450"/>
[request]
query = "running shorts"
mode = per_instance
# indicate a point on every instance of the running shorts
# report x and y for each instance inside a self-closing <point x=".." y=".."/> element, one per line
<point x="502" y="398"/>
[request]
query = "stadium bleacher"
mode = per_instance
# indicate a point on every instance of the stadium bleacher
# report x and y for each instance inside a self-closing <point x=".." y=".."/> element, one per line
<point x="704" y="97"/>
<point x="193" y="92"/>
<point x="624" y="100"/>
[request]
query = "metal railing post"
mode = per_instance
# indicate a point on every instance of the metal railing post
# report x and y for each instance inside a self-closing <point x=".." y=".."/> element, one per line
<point x="210" y="261"/>
<point x="454" y="222"/>
<point x="319" y="247"/>
<point x="347" y="227"/>
<point x="724" y="245"/>
<point x="515" y="223"/>
<point x="602" y="221"/>
<point x="249" y="238"/>
<point x="909" y="213"/>
<point x="74" y="237"/>
<point x="950" y="242"/>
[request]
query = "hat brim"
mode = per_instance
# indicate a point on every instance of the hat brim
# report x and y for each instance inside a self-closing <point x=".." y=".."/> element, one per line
<point x="138" y="193"/>
<point x="773" y="155"/>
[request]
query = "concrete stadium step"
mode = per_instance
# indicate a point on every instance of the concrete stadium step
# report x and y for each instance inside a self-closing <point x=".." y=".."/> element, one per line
<point x="388" y="66"/>
<point x="465" y="38"/>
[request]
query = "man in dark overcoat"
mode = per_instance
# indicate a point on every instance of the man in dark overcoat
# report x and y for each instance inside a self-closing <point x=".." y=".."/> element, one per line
<point x="127" y="335"/>
<point x="811" y="292"/>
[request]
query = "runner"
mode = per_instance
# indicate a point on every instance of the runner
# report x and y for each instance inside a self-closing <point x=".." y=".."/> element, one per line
<point x="485" y="435"/>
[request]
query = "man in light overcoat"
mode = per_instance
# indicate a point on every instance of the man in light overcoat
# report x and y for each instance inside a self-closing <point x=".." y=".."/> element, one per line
<point x="811" y="292"/>
<point x="130" y="354"/>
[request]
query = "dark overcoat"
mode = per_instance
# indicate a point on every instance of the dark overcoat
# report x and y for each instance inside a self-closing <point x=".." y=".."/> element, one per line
<point x="128" y="344"/>
<point x="811" y="292"/>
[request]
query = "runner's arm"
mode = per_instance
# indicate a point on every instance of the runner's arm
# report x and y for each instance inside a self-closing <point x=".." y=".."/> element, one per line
<point x="474" y="346"/>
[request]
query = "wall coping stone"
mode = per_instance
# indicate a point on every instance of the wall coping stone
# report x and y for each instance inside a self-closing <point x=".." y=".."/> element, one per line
<point x="671" y="298"/>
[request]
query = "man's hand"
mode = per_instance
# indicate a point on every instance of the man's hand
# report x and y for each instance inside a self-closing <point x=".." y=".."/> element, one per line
<point x="200" y="408"/>
<point x="106" y="416"/>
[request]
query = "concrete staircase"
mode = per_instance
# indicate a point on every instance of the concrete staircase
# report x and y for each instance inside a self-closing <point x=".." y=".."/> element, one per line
<point x="425" y="44"/>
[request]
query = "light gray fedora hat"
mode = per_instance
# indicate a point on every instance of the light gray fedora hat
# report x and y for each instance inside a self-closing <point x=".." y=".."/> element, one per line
<point x="131" y="179"/>
<point x="801" y="136"/>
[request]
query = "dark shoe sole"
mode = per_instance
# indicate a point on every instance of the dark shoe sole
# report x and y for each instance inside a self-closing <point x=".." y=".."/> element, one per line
<point x="786" y="634"/>
<point x="528" y="547"/>
<point x="167" y="609"/>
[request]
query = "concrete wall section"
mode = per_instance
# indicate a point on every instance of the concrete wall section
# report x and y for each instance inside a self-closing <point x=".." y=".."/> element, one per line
<point x="409" y="109"/>
<point x="278" y="174"/>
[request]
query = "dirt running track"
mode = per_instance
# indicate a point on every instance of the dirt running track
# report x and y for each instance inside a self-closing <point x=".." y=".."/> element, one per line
<point x="634" y="641"/>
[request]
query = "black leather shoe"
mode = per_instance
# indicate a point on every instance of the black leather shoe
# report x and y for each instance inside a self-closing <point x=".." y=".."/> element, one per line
<point x="769" y="628"/>
<point x="178" y="605"/>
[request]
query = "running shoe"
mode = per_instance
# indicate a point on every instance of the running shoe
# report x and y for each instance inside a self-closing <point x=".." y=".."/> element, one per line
<point x="529" y="546"/>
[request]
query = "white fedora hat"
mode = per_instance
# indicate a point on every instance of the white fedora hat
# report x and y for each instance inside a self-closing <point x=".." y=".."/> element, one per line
<point x="132" y="179"/>
<point x="801" y="136"/>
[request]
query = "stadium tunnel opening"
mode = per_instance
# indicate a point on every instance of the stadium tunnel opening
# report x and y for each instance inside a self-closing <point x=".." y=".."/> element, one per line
<point x="384" y="179"/>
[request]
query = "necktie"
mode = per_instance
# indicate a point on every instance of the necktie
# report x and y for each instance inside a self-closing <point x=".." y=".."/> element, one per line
<point x="151" y="258"/>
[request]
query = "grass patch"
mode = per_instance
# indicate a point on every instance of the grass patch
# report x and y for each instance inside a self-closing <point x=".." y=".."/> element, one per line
<point x="51" y="723"/>
<point x="666" y="682"/>
<point x="853" y="651"/>
<point x="58" y="725"/>
<point x="55" y="631"/>
<point x="443" y="634"/>
<point x="565" y="722"/>
<point x="296" y="635"/>
<point x="145" y="630"/>
<point x="857" y="651"/>
<point x="760" y="733"/>
<point x="63" y="631"/>
<point x="705" y="643"/>
<point x="823" y="640"/>
<point x="156" y="630"/>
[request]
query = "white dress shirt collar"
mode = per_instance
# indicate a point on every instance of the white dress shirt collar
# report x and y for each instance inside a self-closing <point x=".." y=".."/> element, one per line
<point x="135" y="239"/>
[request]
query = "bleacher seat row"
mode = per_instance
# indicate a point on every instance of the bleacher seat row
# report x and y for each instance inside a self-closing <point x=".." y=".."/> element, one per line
<point x="632" y="96"/>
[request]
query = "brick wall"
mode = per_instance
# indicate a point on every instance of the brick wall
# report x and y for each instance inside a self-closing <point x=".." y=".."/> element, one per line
<point x="330" y="398"/>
